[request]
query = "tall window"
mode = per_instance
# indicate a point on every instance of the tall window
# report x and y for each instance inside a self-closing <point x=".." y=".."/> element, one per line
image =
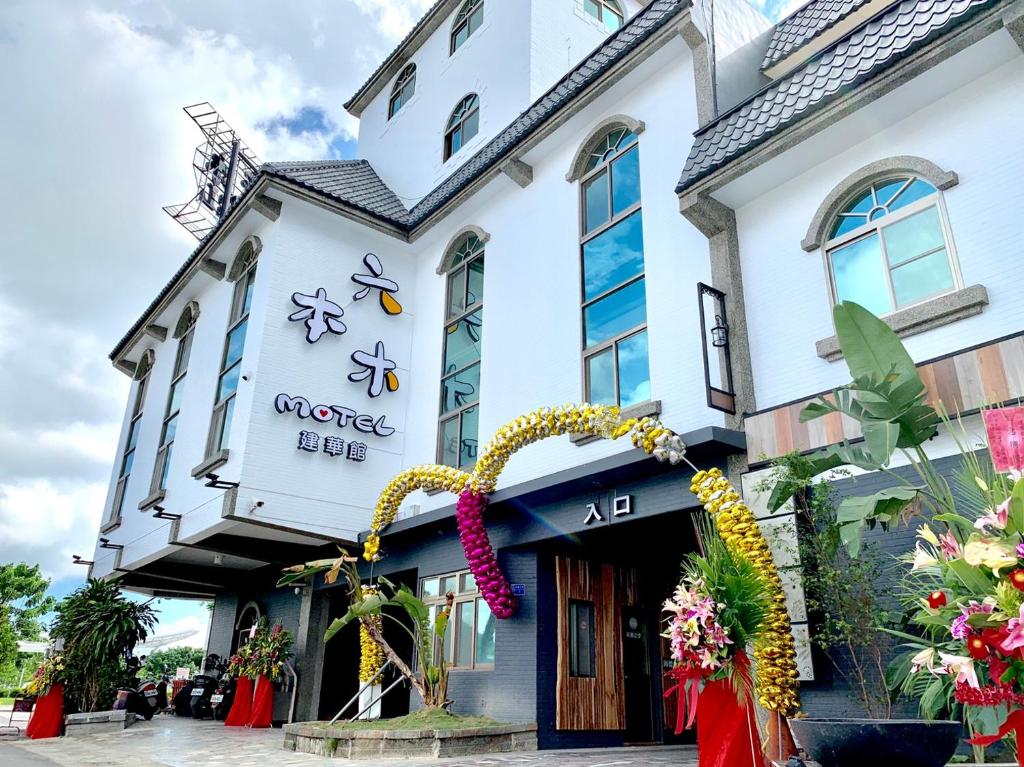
<point x="614" y="300"/>
<point x="467" y="21"/>
<point x="462" y="125"/>
<point x="184" y="333"/>
<point x="128" y="453"/>
<point x="405" y="87"/>
<point x="608" y="12"/>
<point x="890" y="246"/>
<point x="231" y="360"/>
<point x="469" y="642"/>
<point x="460" y="376"/>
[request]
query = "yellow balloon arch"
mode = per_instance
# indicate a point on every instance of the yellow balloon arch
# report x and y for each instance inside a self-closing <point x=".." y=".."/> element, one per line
<point x="775" y="653"/>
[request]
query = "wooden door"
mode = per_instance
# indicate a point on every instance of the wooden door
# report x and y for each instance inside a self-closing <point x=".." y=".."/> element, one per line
<point x="589" y="688"/>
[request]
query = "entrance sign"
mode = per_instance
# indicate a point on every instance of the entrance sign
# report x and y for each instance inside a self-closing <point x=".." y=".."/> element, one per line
<point x="593" y="514"/>
<point x="622" y="506"/>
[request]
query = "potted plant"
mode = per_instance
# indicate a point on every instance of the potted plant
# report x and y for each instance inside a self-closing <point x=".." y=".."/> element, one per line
<point x="888" y="401"/>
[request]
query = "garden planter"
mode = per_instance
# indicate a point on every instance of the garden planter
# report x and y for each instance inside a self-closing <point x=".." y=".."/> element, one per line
<point x="262" y="703"/>
<point x="877" y="742"/>
<point x="241" y="706"/>
<point x="48" y="715"/>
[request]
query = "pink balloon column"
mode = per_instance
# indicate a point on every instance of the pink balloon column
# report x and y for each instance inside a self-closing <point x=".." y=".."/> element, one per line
<point x="482" y="562"/>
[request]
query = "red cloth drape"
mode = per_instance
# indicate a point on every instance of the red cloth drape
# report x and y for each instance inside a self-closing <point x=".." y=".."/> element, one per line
<point x="262" y="703"/>
<point x="727" y="734"/>
<point x="47" y="718"/>
<point x="241" y="706"/>
<point x="1015" y="724"/>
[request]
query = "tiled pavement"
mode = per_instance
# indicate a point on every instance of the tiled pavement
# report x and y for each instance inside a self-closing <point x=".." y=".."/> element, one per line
<point x="171" y="742"/>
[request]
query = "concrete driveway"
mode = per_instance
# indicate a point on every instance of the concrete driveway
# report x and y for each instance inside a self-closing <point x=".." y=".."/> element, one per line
<point x="168" y="741"/>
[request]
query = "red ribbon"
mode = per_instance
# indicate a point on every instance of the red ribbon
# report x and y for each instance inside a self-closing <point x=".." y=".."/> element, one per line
<point x="1014" y="723"/>
<point x="688" y="689"/>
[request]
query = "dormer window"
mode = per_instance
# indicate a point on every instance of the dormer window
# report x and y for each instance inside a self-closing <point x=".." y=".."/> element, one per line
<point x="608" y="12"/>
<point x="467" y="21"/>
<point x="463" y="125"/>
<point x="405" y="87"/>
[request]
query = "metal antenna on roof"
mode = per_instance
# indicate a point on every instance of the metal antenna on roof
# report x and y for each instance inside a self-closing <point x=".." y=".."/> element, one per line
<point x="224" y="167"/>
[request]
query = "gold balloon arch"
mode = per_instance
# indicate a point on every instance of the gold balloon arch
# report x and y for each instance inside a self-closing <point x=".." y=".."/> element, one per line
<point x="775" y="654"/>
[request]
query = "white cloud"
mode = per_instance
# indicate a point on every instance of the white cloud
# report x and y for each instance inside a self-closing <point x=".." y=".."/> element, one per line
<point x="394" y="18"/>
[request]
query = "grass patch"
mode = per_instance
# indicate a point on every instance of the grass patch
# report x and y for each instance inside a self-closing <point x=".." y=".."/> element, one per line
<point x="424" y="719"/>
<point x="6" y="701"/>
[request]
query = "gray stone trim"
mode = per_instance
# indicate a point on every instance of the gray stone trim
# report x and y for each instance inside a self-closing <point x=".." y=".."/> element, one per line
<point x="159" y="332"/>
<point x="704" y="87"/>
<point x="216" y="269"/>
<point x="640" y="410"/>
<point x="110" y="526"/>
<point x="578" y="167"/>
<point x="518" y="171"/>
<point x="189" y="316"/>
<point x="267" y="206"/>
<point x="215" y="461"/>
<point x="1013" y="20"/>
<point x="127" y="367"/>
<point x="935" y="313"/>
<point x="152" y="500"/>
<point x="251" y="243"/>
<point x="449" y="250"/>
<point x="817" y="231"/>
<point x="717" y="222"/>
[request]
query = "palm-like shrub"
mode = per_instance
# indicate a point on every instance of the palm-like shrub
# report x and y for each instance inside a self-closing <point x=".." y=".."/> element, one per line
<point x="100" y="629"/>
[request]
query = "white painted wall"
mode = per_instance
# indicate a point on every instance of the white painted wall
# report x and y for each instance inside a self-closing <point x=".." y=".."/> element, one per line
<point x="199" y="505"/>
<point x="960" y="116"/>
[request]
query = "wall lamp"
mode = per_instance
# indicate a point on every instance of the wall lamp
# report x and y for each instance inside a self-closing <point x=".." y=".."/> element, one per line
<point x="106" y="544"/>
<point x="159" y="512"/>
<point x="77" y="560"/>
<point x="214" y="481"/>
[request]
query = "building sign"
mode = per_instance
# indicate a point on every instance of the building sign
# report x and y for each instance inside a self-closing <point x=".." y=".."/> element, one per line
<point x="321" y="317"/>
<point x="622" y="506"/>
<point x="593" y="514"/>
<point x="519" y="589"/>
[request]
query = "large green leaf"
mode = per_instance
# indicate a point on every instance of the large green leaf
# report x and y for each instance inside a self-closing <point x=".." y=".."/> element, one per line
<point x="412" y="604"/>
<point x="869" y="345"/>
<point x="973" y="578"/>
<point x="883" y="507"/>
<point x="881" y="437"/>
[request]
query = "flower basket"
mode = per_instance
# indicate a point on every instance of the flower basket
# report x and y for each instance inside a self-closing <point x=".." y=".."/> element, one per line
<point x="47" y="719"/>
<point x="727" y="734"/>
<point x="241" y="707"/>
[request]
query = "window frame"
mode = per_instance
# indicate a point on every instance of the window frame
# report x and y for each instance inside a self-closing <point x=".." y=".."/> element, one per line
<point x="464" y="19"/>
<point x="450" y="130"/>
<point x="614" y="219"/>
<point x="457" y="413"/>
<point x="239" y="313"/>
<point x="129" y="447"/>
<point x="574" y="605"/>
<point x="869" y="228"/>
<point x="406" y="77"/>
<point x="182" y="355"/>
<point x="472" y="597"/>
<point x="609" y="6"/>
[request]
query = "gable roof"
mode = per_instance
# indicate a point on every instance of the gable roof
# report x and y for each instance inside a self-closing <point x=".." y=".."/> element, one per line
<point x="356" y="184"/>
<point x="862" y="55"/>
<point x="806" y="23"/>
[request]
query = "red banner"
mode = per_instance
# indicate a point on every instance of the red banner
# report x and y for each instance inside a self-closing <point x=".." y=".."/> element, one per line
<point x="47" y="718"/>
<point x="1015" y="724"/>
<point x="262" y="703"/>
<point x="241" y="706"/>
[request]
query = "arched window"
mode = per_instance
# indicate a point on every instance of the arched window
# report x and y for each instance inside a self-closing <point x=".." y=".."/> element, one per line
<point x="460" y="373"/>
<point x="608" y="12"/>
<point x="616" y="370"/>
<point x="467" y="21"/>
<point x="249" y="617"/>
<point x="889" y="246"/>
<point x="463" y="125"/>
<point x="243" y="272"/>
<point x="131" y="441"/>
<point x="183" y="332"/>
<point x="405" y="87"/>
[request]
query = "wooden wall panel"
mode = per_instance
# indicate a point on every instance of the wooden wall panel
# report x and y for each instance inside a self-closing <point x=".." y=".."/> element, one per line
<point x="987" y="375"/>
<point x="590" y="703"/>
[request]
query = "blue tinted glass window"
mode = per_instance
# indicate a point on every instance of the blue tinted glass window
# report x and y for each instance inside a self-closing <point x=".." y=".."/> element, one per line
<point x="601" y="378"/>
<point x="634" y="374"/>
<point x="922" y="278"/>
<point x="228" y="382"/>
<point x="170" y="429"/>
<point x="613" y="257"/>
<point x="462" y="341"/>
<point x="450" y="442"/>
<point x="460" y="389"/>
<point x="913" y="236"/>
<point x="625" y="181"/>
<point x="235" y="344"/>
<point x="595" y="194"/>
<point x="917" y="190"/>
<point x="859" y="274"/>
<point x="615" y="313"/>
<point x="468" y="444"/>
<point x="225" y="434"/>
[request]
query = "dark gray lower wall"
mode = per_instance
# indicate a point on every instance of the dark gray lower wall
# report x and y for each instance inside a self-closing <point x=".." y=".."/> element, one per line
<point x="222" y="624"/>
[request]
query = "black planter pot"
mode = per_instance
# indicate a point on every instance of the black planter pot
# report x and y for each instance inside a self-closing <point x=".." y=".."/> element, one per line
<point x="877" y="742"/>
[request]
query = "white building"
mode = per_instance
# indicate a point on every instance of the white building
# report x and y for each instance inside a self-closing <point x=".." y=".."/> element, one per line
<point x="523" y="170"/>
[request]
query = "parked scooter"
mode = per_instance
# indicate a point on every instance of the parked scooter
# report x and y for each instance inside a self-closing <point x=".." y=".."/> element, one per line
<point x="223" y="697"/>
<point x="204" y="686"/>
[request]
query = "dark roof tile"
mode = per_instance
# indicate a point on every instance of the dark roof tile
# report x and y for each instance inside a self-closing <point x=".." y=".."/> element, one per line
<point x="805" y="24"/>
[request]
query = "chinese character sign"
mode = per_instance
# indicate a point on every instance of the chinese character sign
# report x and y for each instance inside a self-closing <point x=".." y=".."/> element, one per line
<point x="376" y="367"/>
<point x="376" y="280"/>
<point x="1005" y="429"/>
<point x="321" y="316"/>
